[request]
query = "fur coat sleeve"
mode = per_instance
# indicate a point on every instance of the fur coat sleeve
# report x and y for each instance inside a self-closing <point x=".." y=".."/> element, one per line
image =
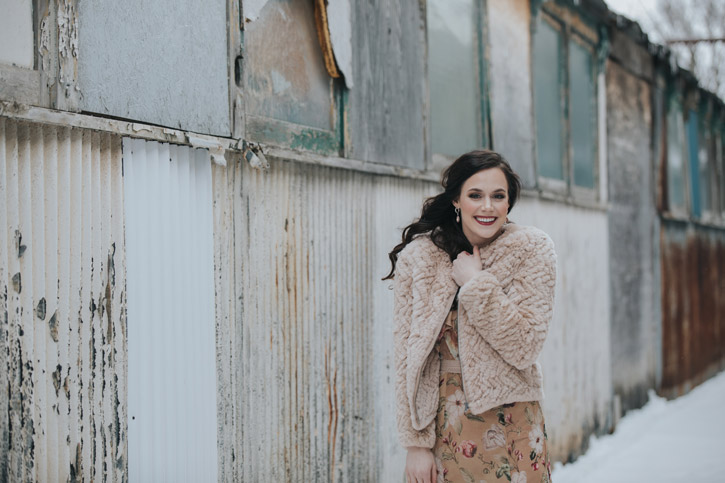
<point x="514" y="321"/>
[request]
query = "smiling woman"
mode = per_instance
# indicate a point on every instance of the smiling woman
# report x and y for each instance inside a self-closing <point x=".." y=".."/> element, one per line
<point x="474" y="296"/>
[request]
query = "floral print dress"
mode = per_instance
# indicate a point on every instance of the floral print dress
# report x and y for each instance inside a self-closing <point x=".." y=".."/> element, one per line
<point x="506" y="443"/>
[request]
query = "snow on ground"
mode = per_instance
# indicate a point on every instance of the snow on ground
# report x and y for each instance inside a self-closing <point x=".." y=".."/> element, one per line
<point x="682" y="440"/>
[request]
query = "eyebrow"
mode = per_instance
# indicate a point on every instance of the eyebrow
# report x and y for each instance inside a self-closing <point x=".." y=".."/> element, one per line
<point x="494" y="191"/>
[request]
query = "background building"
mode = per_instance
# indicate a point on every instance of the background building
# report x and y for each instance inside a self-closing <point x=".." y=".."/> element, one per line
<point x="198" y="199"/>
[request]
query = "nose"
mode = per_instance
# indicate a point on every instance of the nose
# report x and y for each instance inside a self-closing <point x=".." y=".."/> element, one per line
<point x="487" y="202"/>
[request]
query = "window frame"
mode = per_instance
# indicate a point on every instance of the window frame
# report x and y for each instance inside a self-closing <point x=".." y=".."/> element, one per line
<point x="53" y="80"/>
<point x="570" y="29"/>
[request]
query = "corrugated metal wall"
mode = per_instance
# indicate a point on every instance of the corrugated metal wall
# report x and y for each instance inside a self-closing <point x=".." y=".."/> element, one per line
<point x="62" y="314"/>
<point x="302" y="355"/>
<point x="172" y="430"/>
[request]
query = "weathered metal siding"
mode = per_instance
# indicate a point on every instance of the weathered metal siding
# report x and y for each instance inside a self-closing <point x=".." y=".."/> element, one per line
<point x="62" y="312"/>
<point x="305" y="392"/>
<point x="633" y="232"/>
<point x="693" y="306"/>
<point x="172" y="411"/>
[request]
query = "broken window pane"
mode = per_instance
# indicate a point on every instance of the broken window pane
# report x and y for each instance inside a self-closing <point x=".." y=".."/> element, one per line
<point x="547" y="100"/>
<point x="285" y="70"/>
<point x="453" y="76"/>
<point x="582" y="114"/>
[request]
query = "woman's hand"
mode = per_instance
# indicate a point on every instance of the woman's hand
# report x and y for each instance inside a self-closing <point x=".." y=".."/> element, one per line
<point x="465" y="266"/>
<point x="420" y="466"/>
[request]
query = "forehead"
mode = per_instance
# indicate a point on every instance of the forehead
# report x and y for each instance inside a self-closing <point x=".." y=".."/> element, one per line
<point x="487" y="180"/>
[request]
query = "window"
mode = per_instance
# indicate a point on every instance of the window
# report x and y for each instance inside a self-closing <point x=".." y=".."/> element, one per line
<point x="675" y="156"/>
<point x="16" y="33"/>
<point x="291" y="99"/>
<point x="454" y="74"/>
<point x="565" y="106"/>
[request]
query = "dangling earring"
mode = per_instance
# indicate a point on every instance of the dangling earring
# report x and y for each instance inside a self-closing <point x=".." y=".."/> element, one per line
<point x="458" y="215"/>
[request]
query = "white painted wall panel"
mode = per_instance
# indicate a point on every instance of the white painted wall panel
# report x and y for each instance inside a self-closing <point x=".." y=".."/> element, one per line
<point x="171" y="316"/>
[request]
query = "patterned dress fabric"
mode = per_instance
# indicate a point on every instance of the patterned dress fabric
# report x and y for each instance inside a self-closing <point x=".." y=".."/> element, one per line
<point x="504" y="444"/>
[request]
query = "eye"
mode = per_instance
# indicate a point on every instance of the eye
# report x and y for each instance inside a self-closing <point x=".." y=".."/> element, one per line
<point x="474" y="196"/>
<point x="500" y="196"/>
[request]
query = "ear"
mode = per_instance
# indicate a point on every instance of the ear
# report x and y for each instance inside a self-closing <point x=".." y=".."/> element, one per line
<point x="455" y="203"/>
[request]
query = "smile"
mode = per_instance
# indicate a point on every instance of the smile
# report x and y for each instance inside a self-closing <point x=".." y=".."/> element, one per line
<point x="485" y="220"/>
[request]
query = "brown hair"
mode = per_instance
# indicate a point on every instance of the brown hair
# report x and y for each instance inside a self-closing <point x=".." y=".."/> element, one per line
<point x="438" y="215"/>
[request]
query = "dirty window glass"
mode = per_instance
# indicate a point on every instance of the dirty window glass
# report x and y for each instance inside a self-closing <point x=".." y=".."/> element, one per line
<point x="675" y="164"/>
<point x="582" y="114"/>
<point x="285" y="70"/>
<point x="547" y="100"/>
<point x="693" y="146"/>
<point x="706" y="164"/>
<point x="453" y="76"/>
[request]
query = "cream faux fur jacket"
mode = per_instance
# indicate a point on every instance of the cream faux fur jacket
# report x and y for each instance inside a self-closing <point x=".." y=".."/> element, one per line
<point x="503" y="318"/>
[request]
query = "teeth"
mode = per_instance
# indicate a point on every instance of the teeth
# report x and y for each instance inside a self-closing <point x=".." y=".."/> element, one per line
<point x="485" y="220"/>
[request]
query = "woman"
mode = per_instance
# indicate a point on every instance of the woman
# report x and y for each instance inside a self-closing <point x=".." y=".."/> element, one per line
<point x="474" y="296"/>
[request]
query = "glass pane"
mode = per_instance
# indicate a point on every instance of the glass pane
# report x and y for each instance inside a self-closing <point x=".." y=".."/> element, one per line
<point x="285" y="71"/>
<point x="675" y="162"/>
<point x="453" y="66"/>
<point x="547" y="100"/>
<point x="693" y="146"/>
<point x="582" y="114"/>
<point x="706" y="163"/>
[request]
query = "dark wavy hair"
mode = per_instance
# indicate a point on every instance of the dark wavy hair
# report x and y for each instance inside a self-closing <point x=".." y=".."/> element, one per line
<point x="438" y="217"/>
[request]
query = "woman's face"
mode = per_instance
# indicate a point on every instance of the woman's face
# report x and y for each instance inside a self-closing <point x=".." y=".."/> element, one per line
<point x="484" y="204"/>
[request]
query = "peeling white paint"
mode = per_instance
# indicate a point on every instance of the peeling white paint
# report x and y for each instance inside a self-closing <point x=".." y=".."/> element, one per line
<point x="339" y="20"/>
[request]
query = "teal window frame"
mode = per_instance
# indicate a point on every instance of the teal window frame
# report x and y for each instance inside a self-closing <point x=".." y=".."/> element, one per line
<point x="566" y="184"/>
<point x="481" y="81"/>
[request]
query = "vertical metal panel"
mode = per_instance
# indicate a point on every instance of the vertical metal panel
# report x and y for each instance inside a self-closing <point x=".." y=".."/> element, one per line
<point x="305" y="368"/>
<point x="693" y="308"/>
<point x="54" y="239"/>
<point x="171" y="330"/>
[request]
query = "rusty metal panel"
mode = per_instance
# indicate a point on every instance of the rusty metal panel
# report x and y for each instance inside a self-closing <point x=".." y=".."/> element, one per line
<point x="693" y="308"/>
<point x="315" y="361"/>
<point x="62" y="312"/>
<point x="172" y="409"/>
<point x="304" y="235"/>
